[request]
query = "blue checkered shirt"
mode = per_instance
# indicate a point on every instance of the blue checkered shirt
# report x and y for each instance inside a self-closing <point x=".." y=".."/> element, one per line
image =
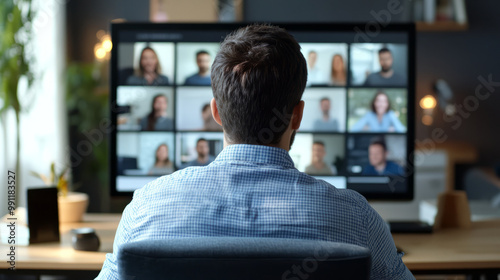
<point x="255" y="191"/>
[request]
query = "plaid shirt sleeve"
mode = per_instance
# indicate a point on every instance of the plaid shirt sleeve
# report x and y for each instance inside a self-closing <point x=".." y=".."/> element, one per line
<point x="386" y="262"/>
<point x="109" y="269"/>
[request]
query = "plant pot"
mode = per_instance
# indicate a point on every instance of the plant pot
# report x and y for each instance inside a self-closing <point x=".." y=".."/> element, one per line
<point x="72" y="207"/>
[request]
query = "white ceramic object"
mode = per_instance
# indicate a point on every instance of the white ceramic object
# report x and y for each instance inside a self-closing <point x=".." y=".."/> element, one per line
<point x="72" y="207"/>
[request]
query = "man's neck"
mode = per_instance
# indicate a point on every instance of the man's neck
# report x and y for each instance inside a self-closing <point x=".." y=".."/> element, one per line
<point x="387" y="74"/>
<point x="326" y="117"/>
<point x="318" y="164"/>
<point x="380" y="167"/>
<point x="203" y="74"/>
<point x="283" y="144"/>
<point x="202" y="159"/>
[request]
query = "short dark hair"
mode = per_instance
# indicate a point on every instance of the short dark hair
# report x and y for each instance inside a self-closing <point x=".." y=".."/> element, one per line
<point x="383" y="50"/>
<point x="319" y="143"/>
<point x="200" y="139"/>
<point x="258" y="77"/>
<point x="379" y="141"/>
<point x="201" y="52"/>
<point x="381" y="92"/>
<point x="205" y="107"/>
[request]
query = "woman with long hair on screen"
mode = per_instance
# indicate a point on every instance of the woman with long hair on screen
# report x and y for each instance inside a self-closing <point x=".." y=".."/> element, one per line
<point x="381" y="118"/>
<point x="149" y="71"/>
<point x="338" y="76"/>
<point x="163" y="165"/>
<point x="157" y="119"/>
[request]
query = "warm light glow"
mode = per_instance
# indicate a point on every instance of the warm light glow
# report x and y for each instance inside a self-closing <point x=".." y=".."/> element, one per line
<point x="107" y="45"/>
<point x="427" y="120"/>
<point x="428" y="102"/>
<point x="100" y="53"/>
<point x="100" y="34"/>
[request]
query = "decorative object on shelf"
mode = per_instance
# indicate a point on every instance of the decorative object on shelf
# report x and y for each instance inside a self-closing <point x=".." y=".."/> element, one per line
<point x="440" y="15"/>
<point x="460" y="12"/>
<point x="206" y="11"/>
<point x="429" y="11"/>
<point x="444" y="10"/>
<point x="72" y="205"/>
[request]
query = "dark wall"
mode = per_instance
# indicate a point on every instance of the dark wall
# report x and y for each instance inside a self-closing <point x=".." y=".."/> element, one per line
<point x="85" y="17"/>
<point x="460" y="58"/>
<point x="318" y="10"/>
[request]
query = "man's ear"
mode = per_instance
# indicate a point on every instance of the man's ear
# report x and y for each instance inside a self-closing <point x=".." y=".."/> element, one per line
<point x="215" y="111"/>
<point x="298" y="111"/>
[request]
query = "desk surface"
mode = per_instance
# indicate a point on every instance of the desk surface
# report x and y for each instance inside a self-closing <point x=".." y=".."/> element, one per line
<point x="453" y="249"/>
<point x="449" y="249"/>
<point x="62" y="256"/>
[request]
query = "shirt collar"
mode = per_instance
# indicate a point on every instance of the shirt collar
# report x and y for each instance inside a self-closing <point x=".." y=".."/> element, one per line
<point x="256" y="154"/>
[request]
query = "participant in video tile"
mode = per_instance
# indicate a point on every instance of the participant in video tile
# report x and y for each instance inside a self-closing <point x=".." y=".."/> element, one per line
<point x="379" y="165"/>
<point x="386" y="76"/>
<point x="318" y="165"/>
<point x="314" y="75"/>
<point x="381" y="118"/>
<point x="338" y="75"/>
<point x="163" y="165"/>
<point x="209" y="123"/>
<point x="149" y="72"/>
<point x="202" y="77"/>
<point x="203" y="151"/>
<point x="157" y="119"/>
<point x="326" y="123"/>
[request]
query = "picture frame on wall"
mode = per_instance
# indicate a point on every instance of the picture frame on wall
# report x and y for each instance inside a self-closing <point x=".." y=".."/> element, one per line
<point x="196" y="11"/>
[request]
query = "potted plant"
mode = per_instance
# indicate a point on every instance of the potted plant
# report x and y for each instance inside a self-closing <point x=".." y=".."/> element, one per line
<point x="16" y="32"/>
<point x="72" y="205"/>
<point x="87" y="102"/>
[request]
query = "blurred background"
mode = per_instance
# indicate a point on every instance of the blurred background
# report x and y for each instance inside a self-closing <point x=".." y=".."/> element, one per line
<point x="67" y="103"/>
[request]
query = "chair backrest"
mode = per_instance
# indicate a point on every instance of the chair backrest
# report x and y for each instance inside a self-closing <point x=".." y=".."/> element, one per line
<point x="235" y="258"/>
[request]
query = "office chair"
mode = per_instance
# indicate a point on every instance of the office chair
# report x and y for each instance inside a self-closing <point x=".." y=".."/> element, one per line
<point x="237" y="258"/>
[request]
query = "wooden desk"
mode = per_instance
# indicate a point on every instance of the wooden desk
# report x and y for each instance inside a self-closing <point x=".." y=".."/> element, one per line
<point x="445" y="251"/>
<point x="60" y="258"/>
<point x="453" y="250"/>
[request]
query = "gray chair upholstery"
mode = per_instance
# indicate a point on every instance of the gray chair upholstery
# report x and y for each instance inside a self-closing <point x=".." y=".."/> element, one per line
<point x="235" y="258"/>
